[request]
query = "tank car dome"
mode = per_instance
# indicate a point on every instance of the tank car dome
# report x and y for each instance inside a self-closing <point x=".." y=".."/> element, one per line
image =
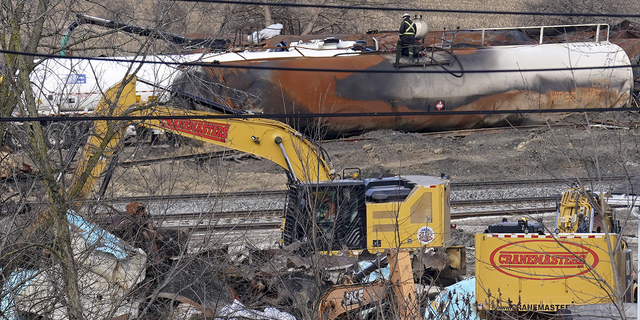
<point x="421" y="28"/>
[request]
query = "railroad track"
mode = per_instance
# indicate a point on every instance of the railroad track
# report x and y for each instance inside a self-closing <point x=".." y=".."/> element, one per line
<point x="205" y="216"/>
<point x="224" y="228"/>
<point x="272" y="219"/>
<point x="282" y="193"/>
<point x="199" y="196"/>
<point x="197" y="157"/>
<point x="216" y="219"/>
<point x="235" y="227"/>
<point x="511" y="183"/>
<point x="207" y="227"/>
<point x="502" y="201"/>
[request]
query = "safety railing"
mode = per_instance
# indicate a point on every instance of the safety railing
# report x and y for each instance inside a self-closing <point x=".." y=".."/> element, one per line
<point x="596" y="32"/>
<point x="541" y="36"/>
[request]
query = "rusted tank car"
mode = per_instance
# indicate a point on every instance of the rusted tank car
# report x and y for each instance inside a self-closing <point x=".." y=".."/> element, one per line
<point x="443" y="80"/>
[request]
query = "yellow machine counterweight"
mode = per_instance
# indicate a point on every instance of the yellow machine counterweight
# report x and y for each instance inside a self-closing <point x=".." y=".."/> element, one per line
<point x="523" y="267"/>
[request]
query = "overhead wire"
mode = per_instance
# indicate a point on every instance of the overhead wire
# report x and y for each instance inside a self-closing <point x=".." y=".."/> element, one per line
<point x="378" y="8"/>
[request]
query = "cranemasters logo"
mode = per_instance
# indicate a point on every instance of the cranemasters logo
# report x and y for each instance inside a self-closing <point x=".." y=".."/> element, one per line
<point x="543" y="259"/>
<point x="209" y="130"/>
<point x="426" y="235"/>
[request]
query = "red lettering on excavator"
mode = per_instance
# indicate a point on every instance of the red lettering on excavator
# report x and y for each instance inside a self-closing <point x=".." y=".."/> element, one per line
<point x="208" y="130"/>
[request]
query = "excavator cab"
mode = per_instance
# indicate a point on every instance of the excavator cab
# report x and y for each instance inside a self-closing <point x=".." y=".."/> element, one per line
<point x="329" y="215"/>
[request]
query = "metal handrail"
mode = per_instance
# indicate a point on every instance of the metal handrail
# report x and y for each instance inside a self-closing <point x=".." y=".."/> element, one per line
<point x="597" y="25"/>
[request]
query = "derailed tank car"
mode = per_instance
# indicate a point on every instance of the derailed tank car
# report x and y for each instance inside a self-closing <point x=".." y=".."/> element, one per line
<point x="573" y="75"/>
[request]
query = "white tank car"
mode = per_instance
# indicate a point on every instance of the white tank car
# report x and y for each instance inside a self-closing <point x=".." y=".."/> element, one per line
<point x="65" y="86"/>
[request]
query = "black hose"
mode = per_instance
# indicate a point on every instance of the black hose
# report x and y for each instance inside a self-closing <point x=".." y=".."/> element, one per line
<point x="447" y="70"/>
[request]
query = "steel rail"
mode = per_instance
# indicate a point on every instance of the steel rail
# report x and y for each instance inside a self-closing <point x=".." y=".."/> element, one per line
<point x="193" y="196"/>
<point x="533" y="181"/>
<point x="205" y="216"/>
<point x="513" y="212"/>
<point x="502" y="201"/>
<point x="232" y="227"/>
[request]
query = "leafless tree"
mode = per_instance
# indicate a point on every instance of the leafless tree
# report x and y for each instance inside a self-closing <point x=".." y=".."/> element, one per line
<point x="576" y="6"/>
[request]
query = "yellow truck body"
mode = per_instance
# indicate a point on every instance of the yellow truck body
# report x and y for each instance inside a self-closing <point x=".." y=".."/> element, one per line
<point x="547" y="273"/>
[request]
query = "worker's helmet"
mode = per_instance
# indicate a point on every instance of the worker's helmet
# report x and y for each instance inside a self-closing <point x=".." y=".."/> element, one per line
<point x="405" y="15"/>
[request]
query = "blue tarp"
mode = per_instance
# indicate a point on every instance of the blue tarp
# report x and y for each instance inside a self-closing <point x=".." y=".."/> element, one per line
<point x="94" y="236"/>
<point x="456" y="302"/>
<point x="97" y="237"/>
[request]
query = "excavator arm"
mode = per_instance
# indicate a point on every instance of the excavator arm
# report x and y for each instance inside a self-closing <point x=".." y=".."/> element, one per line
<point x="269" y="139"/>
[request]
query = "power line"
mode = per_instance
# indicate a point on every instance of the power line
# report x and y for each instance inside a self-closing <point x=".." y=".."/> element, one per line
<point x="417" y="69"/>
<point x="413" y="9"/>
<point x="314" y="115"/>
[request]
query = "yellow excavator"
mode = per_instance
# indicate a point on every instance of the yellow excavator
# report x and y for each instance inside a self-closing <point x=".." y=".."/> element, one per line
<point x="408" y="215"/>
<point x="329" y="215"/>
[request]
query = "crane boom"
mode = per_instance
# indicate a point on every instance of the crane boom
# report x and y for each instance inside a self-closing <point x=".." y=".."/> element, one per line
<point x="269" y="139"/>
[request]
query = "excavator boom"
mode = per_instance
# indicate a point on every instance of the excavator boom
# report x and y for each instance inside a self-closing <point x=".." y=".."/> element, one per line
<point x="269" y="139"/>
